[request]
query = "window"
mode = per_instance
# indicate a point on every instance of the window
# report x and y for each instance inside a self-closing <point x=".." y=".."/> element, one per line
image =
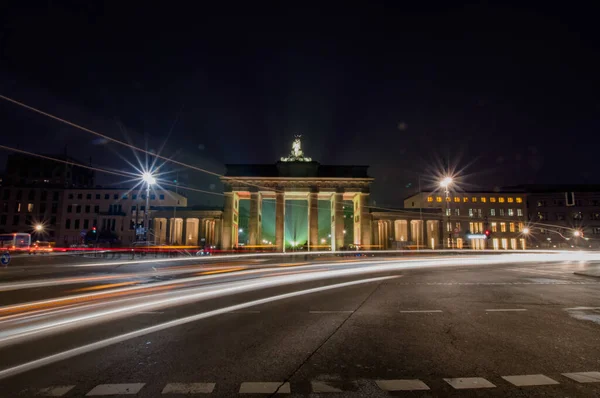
<point x="494" y="227"/>
<point x="68" y="223"/>
<point x="448" y="227"/>
<point x="541" y="203"/>
<point x="79" y="196"/>
<point x="457" y="199"/>
<point x="519" y="200"/>
<point x="44" y="195"/>
<point x="134" y="196"/>
<point x="17" y="207"/>
<point x="97" y="196"/>
<point x="42" y="208"/>
<point x="502" y="227"/>
<point x="143" y="196"/>
<point x="501" y="212"/>
<point x="54" y="208"/>
<point x="465" y="199"/>
<point x="501" y="200"/>
<point x="560" y="216"/>
<point x="86" y="224"/>
<point x="492" y="200"/>
<point x="457" y="212"/>
<point x="77" y="224"/>
<point x="106" y="196"/>
<point x="88" y="196"/>
<point x="55" y="196"/>
<point x="3" y="219"/>
<point x="87" y="208"/>
<point x="97" y="209"/>
<point x="520" y="227"/>
<point x="479" y="213"/>
<point x="125" y="196"/>
<point x="133" y="209"/>
<point x="28" y="219"/>
<point x="577" y="216"/>
<point x="542" y="215"/>
<point x="470" y="212"/>
<point x="595" y="216"/>
<point x="16" y="220"/>
<point x="5" y="207"/>
<point x="29" y="207"/>
<point x="438" y="198"/>
<point x="78" y="209"/>
<point x="448" y="212"/>
<point x="31" y="195"/>
<point x="483" y="199"/>
<point x="152" y="197"/>
<point x="19" y="194"/>
<point x="116" y="196"/>
<point x="474" y="199"/>
<point x="162" y="197"/>
<point x="70" y="196"/>
<point x="511" y="212"/>
<point x="596" y="230"/>
<point x="5" y="194"/>
<point x="457" y="227"/>
<point x="53" y="220"/>
<point x="493" y="212"/>
<point x="511" y="227"/>
<point x="520" y="212"/>
<point x="509" y="200"/>
<point x="448" y="199"/>
<point x="110" y="208"/>
<point x="142" y="208"/>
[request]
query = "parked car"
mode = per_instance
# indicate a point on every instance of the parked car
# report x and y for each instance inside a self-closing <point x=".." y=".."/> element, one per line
<point x="40" y="247"/>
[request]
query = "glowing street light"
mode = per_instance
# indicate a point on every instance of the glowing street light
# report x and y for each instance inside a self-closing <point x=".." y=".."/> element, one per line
<point x="149" y="179"/>
<point x="39" y="227"/>
<point x="446" y="182"/>
<point x="577" y="233"/>
<point x="525" y="231"/>
<point x="240" y="230"/>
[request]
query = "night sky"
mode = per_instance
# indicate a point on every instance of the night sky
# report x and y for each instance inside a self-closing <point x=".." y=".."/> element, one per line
<point x="509" y="94"/>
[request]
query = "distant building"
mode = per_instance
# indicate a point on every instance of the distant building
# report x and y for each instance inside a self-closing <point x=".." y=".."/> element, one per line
<point x="467" y="215"/>
<point x="563" y="216"/>
<point x="26" y="170"/>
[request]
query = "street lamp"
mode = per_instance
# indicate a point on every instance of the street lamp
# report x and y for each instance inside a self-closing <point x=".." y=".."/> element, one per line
<point x="39" y="228"/>
<point x="445" y="183"/>
<point x="149" y="179"/>
<point x="525" y="231"/>
<point x="577" y="233"/>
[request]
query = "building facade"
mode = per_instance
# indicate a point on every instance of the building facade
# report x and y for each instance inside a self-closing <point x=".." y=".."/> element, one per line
<point x="467" y="216"/>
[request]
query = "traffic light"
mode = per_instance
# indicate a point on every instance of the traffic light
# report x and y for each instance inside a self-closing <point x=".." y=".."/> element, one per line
<point x="93" y="230"/>
<point x="488" y="233"/>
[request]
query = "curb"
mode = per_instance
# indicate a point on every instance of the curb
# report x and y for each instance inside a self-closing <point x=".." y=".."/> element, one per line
<point x="588" y="275"/>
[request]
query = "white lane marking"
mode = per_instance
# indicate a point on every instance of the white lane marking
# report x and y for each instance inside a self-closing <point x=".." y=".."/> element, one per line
<point x="530" y="380"/>
<point x="582" y="308"/>
<point x="116" y="389"/>
<point x="177" y="322"/>
<point x="244" y="312"/>
<point x="463" y="383"/>
<point x="151" y="312"/>
<point x="54" y="391"/>
<point x="323" y="386"/>
<point x="330" y="312"/>
<point x="188" y="388"/>
<point x="505" y="310"/>
<point x="584" y="377"/>
<point x="249" y="387"/>
<point x="418" y="311"/>
<point x="402" y="385"/>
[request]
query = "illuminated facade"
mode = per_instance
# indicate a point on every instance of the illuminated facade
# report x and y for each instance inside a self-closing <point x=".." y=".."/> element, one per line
<point x="467" y="215"/>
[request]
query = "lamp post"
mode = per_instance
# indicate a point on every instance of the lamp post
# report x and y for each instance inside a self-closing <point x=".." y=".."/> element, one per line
<point x="149" y="179"/>
<point x="445" y="184"/>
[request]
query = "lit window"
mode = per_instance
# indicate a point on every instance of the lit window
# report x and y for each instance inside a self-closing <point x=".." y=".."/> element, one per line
<point x="483" y="199"/>
<point x="474" y="199"/>
<point x="465" y="199"/>
<point x="449" y="227"/>
<point x="429" y="199"/>
<point x="502" y="227"/>
<point x="470" y="212"/>
<point x="520" y="212"/>
<point x="494" y="227"/>
<point x="511" y="212"/>
<point x="29" y="207"/>
<point x="492" y="212"/>
<point x="492" y="200"/>
<point x="457" y="212"/>
<point x="448" y="199"/>
<point x="438" y="198"/>
<point x="501" y="212"/>
<point x="509" y="200"/>
<point x="501" y="200"/>
<point x="520" y="227"/>
<point x="448" y="212"/>
<point x="457" y="199"/>
<point x="519" y="200"/>
<point x="511" y="227"/>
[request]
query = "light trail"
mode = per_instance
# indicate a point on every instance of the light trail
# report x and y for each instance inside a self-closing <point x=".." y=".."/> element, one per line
<point x="177" y="322"/>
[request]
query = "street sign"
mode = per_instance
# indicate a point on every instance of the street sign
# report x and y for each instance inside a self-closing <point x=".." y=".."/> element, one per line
<point x="5" y="258"/>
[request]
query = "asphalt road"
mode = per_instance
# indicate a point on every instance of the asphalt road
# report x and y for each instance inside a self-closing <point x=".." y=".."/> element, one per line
<point x="379" y="327"/>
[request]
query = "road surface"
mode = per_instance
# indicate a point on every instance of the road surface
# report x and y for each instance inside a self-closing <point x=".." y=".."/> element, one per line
<point x="500" y="326"/>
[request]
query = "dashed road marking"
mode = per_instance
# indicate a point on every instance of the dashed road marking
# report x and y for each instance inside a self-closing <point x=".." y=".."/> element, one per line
<point x="53" y="391"/>
<point x="505" y="310"/>
<point x="188" y="388"/>
<point x="530" y="380"/>
<point x="249" y="387"/>
<point x="464" y="383"/>
<point x="402" y="385"/>
<point x="116" y="389"/>
<point x="324" y="386"/>
<point x="419" y="311"/>
<point x="244" y="312"/>
<point x="330" y="312"/>
<point x="584" y="377"/>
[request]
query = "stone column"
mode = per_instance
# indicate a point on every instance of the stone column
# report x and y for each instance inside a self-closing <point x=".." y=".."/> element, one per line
<point x="337" y="221"/>
<point x="218" y="233"/>
<point x="253" y="224"/>
<point x="313" y="220"/>
<point x="168" y="232"/>
<point x="212" y="232"/>
<point x="279" y="221"/>
<point x="228" y="212"/>
<point x="362" y="220"/>
<point x="376" y="233"/>
<point x="184" y="241"/>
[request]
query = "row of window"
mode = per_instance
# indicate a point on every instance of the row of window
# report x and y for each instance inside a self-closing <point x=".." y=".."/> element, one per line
<point x="478" y="228"/>
<point x="113" y="209"/>
<point x="577" y="215"/>
<point x="491" y="212"/>
<point x="30" y="196"/>
<point x="473" y="199"/>
<point x="116" y="196"/>
<point x="576" y="202"/>
<point x="16" y="220"/>
<point x="30" y="208"/>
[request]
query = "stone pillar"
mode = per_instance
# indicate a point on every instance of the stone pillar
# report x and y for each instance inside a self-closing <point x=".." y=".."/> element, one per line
<point x="218" y="233"/>
<point x="253" y="223"/>
<point x="376" y="233"/>
<point x="280" y="221"/>
<point x="227" y="238"/>
<point x="362" y="220"/>
<point x="168" y="240"/>
<point x="184" y="241"/>
<point x="313" y="220"/>
<point x="212" y="232"/>
<point x="337" y="221"/>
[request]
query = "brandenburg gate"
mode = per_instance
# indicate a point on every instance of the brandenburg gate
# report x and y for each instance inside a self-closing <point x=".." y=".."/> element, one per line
<point x="296" y="177"/>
